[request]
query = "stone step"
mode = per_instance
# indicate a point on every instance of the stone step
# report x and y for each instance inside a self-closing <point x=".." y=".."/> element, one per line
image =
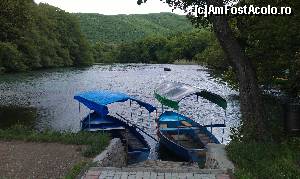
<point x="108" y="174"/>
<point x="156" y="170"/>
<point x="165" y="164"/>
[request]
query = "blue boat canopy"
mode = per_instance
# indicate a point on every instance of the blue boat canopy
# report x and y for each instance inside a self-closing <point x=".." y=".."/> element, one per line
<point x="98" y="100"/>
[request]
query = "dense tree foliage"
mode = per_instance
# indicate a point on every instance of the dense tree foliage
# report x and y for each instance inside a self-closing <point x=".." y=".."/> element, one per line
<point x="129" y="28"/>
<point x="193" y="46"/>
<point x="37" y="36"/>
<point x="273" y="44"/>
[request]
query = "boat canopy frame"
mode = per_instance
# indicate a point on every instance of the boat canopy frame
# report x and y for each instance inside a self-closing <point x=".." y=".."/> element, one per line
<point x="171" y="93"/>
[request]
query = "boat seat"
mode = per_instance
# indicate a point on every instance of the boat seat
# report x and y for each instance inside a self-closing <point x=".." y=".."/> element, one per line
<point x="181" y="137"/>
<point x="179" y="128"/>
<point x="186" y="124"/>
<point x="163" y="125"/>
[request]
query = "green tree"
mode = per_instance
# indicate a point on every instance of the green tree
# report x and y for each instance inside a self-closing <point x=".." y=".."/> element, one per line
<point x="272" y="43"/>
<point x="40" y="36"/>
<point x="10" y="58"/>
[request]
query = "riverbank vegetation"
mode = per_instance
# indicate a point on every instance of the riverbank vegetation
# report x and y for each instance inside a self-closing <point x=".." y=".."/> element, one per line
<point x="193" y="46"/>
<point x="277" y="157"/>
<point x="266" y="160"/>
<point x="94" y="142"/>
<point x="39" y="36"/>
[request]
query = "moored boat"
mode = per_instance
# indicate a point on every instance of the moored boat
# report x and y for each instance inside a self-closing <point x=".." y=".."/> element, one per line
<point x="178" y="133"/>
<point x="99" y="120"/>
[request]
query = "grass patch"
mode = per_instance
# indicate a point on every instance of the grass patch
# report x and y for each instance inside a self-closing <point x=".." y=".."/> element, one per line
<point x="279" y="157"/>
<point x="78" y="169"/>
<point x="266" y="160"/>
<point x="95" y="142"/>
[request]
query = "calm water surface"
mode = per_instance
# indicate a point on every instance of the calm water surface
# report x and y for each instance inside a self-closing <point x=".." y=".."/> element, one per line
<point x="44" y="99"/>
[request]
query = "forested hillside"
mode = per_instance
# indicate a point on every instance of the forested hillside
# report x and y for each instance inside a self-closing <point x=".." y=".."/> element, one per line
<point x="129" y="28"/>
<point x="198" y="45"/>
<point x="39" y="36"/>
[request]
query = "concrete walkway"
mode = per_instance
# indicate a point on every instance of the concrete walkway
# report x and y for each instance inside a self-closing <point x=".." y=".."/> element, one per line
<point x="156" y="170"/>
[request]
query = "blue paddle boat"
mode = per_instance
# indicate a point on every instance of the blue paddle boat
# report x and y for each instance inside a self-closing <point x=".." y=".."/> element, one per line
<point x="100" y="120"/>
<point x="178" y="133"/>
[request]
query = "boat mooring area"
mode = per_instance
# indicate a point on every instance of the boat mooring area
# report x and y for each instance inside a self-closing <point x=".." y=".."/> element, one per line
<point x="111" y="164"/>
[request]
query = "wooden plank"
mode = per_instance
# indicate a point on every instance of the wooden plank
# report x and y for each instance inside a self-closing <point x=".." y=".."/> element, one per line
<point x="185" y="123"/>
<point x="163" y="125"/>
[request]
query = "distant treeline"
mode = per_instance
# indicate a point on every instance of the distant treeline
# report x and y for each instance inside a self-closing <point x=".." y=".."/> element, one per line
<point x="198" y="46"/>
<point x="39" y="36"/>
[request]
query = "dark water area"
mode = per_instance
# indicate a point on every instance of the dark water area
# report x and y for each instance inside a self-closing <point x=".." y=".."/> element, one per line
<point x="14" y="115"/>
<point x="44" y="99"/>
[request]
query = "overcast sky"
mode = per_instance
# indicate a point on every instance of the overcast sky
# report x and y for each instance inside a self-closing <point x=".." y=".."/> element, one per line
<point x="110" y="7"/>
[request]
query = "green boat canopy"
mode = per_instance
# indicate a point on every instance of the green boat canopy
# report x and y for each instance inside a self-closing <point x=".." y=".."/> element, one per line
<point x="171" y="93"/>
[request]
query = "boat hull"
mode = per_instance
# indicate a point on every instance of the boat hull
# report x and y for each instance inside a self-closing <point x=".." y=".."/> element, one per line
<point x="138" y="148"/>
<point x="193" y="151"/>
<point x="179" y="151"/>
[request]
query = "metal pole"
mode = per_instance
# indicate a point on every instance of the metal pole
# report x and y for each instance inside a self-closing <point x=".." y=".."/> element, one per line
<point x="149" y="120"/>
<point x="223" y="137"/>
<point x="90" y="120"/>
<point x="224" y="127"/>
<point x="178" y="127"/>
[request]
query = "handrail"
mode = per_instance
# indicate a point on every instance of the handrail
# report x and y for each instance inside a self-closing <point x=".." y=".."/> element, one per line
<point x="137" y="127"/>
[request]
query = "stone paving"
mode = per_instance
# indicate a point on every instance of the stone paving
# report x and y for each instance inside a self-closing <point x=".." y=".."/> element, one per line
<point x="166" y="165"/>
<point x="156" y="170"/>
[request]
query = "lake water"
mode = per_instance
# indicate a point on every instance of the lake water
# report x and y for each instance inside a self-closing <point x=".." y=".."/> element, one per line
<point x="44" y="99"/>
